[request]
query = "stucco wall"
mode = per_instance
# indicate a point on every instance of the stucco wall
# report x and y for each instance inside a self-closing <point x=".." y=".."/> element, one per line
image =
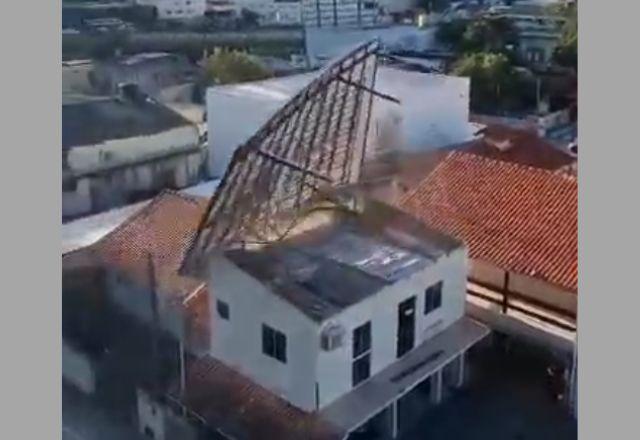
<point x="334" y="367"/>
<point x="238" y="341"/>
<point x="77" y="369"/>
<point x="119" y="186"/>
<point x="77" y="202"/>
<point x="122" y="151"/>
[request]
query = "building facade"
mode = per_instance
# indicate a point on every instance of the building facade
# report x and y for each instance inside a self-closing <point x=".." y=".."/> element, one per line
<point x="118" y="151"/>
<point x="340" y="13"/>
<point x="176" y="9"/>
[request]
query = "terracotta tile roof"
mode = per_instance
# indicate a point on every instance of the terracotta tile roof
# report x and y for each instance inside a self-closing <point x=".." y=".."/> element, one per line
<point x="163" y="228"/>
<point x="517" y="217"/>
<point x="239" y="407"/>
<point x="524" y="147"/>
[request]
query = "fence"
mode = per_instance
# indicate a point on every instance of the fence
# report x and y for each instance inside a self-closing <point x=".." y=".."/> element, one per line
<point x="509" y="300"/>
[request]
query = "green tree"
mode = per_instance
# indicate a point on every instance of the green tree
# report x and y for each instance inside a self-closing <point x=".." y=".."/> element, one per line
<point x="566" y="54"/>
<point x="226" y="67"/>
<point x="494" y="81"/>
<point x="487" y="34"/>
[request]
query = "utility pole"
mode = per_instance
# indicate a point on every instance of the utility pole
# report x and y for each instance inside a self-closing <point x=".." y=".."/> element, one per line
<point x="155" y="318"/>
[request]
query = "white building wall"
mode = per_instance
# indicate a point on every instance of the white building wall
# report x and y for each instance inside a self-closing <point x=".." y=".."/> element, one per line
<point x="177" y="9"/>
<point x="335" y="367"/>
<point x="434" y="112"/>
<point x="118" y="151"/>
<point x="340" y="13"/>
<point x="77" y="202"/>
<point x="238" y="341"/>
<point x="77" y="369"/>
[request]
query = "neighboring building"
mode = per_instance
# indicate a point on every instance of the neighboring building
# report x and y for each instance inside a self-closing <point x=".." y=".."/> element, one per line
<point x="235" y="112"/>
<point x="155" y="73"/>
<point x="341" y="14"/>
<point x="538" y="30"/>
<point x="273" y="12"/>
<point x="520" y="224"/>
<point x="78" y="77"/>
<point x="119" y="150"/>
<point x="176" y="9"/>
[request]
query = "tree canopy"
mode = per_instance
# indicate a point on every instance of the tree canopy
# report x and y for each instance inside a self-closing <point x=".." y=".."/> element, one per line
<point x="226" y="67"/>
<point x="494" y="81"/>
<point x="566" y="54"/>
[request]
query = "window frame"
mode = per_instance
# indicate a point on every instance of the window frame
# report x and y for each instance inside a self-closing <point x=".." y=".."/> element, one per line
<point x="361" y="353"/>
<point x="433" y="298"/>
<point x="274" y="343"/>
<point x="220" y="306"/>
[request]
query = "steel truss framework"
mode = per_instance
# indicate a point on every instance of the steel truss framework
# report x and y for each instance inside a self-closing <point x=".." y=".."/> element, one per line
<point x="318" y="138"/>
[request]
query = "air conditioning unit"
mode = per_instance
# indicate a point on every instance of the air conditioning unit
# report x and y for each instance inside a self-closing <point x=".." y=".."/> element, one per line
<point x="332" y="337"/>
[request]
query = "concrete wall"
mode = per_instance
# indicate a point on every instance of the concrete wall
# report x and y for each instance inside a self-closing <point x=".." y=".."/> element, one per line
<point x="238" y="341"/>
<point x="335" y="367"/>
<point x="150" y="416"/>
<point x="122" y="151"/>
<point x="525" y="285"/>
<point x="99" y="192"/>
<point x="177" y="9"/>
<point x="78" y="369"/>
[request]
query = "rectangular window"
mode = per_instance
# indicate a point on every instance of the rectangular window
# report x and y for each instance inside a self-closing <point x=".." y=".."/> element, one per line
<point x="362" y="339"/>
<point x="223" y="309"/>
<point x="361" y="367"/>
<point x="274" y="343"/>
<point x="433" y="298"/>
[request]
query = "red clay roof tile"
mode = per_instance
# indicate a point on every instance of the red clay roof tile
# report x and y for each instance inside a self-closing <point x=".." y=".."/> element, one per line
<point x="517" y="217"/>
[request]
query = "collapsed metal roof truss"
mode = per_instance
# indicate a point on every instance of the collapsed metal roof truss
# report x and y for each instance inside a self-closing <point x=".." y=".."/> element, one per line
<point x="318" y="138"/>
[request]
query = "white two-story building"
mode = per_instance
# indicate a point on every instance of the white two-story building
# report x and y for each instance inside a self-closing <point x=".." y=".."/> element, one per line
<point x="348" y="322"/>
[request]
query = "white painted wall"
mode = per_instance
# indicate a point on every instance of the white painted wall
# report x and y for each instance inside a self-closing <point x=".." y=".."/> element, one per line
<point x="434" y="112"/>
<point x="334" y="367"/>
<point x="77" y="369"/>
<point x="119" y="151"/>
<point x="151" y="415"/>
<point x="238" y="342"/>
<point x="177" y="9"/>
<point x="77" y="202"/>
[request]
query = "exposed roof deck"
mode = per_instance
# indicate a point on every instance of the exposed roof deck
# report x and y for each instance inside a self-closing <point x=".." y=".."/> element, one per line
<point x="342" y="258"/>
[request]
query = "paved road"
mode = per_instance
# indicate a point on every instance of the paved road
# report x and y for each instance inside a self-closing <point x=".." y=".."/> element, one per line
<point x="84" y="420"/>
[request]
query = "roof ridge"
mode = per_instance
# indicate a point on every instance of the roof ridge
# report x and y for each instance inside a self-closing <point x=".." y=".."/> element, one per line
<point x="143" y="211"/>
<point x="515" y="165"/>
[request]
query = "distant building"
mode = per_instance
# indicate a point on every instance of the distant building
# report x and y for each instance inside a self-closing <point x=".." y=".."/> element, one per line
<point x="538" y="31"/>
<point x="152" y="72"/>
<point x="273" y="12"/>
<point x="119" y="150"/>
<point x="176" y="9"/>
<point x="344" y="13"/>
<point x="77" y="77"/>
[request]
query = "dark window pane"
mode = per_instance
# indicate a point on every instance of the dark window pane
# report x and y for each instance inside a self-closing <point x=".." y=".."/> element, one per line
<point x="267" y="341"/>
<point x="361" y="369"/>
<point x="433" y="297"/>
<point x="274" y="343"/>
<point x="281" y="347"/>
<point x="223" y="309"/>
<point x="362" y="339"/>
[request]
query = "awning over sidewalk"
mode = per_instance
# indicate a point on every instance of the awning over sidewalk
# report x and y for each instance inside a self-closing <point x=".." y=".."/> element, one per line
<point x="364" y="402"/>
